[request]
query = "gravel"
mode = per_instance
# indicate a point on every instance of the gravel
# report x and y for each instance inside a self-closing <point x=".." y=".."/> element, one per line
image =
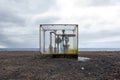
<point x="26" y="65"/>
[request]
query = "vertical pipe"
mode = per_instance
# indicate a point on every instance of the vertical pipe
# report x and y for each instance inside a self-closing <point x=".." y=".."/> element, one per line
<point x="44" y="40"/>
<point x="73" y="45"/>
<point x="58" y="44"/>
<point x="55" y="45"/>
<point x="50" y="38"/>
<point x="55" y="42"/>
<point x="40" y="38"/>
<point x="50" y="46"/>
<point x="77" y="38"/>
<point x="55" y="39"/>
<point x="58" y="48"/>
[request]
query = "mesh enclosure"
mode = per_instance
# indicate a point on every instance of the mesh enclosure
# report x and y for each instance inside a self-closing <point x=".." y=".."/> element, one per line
<point x="59" y="38"/>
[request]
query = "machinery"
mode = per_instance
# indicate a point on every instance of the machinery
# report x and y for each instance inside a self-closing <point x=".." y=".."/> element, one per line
<point x="59" y="39"/>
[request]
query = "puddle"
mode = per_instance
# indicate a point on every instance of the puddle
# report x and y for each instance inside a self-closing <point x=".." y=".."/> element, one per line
<point x="83" y="58"/>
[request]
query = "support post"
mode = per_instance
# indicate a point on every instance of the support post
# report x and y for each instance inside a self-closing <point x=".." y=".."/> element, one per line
<point x="44" y="40"/>
<point x="40" y="39"/>
<point x="77" y="38"/>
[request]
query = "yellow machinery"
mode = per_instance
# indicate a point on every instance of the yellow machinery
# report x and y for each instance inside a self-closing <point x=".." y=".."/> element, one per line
<point x="59" y="39"/>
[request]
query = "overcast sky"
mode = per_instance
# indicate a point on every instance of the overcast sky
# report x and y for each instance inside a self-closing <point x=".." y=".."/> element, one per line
<point x="99" y="21"/>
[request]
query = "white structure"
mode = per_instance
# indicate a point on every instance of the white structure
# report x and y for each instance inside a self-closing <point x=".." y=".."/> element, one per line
<point x="58" y="38"/>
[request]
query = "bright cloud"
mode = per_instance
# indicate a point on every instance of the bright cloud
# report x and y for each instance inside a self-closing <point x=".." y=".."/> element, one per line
<point x="99" y="20"/>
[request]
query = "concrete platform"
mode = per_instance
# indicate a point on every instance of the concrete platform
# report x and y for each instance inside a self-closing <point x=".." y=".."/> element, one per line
<point x="60" y="55"/>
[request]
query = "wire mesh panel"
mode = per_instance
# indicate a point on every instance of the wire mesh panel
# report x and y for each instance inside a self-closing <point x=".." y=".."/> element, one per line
<point x="59" y="38"/>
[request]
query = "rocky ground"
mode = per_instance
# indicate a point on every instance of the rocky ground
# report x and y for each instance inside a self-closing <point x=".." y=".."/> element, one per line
<point x="26" y="65"/>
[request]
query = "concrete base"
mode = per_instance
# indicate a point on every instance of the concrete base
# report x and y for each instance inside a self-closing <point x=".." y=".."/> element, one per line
<point x="59" y="56"/>
<point x="65" y="56"/>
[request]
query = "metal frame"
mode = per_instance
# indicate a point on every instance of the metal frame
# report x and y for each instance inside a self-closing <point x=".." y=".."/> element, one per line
<point x="41" y="27"/>
<point x="58" y="26"/>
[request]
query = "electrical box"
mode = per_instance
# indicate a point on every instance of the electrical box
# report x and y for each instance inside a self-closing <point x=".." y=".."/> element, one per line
<point x="58" y="39"/>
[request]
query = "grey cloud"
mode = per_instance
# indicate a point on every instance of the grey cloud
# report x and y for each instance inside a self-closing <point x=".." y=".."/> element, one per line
<point x="15" y="13"/>
<point x="10" y="19"/>
<point x="47" y="19"/>
<point x="89" y="36"/>
<point x="29" y="40"/>
<point x="20" y="45"/>
<point x="28" y="6"/>
<point x="7" y="20"/>
<point x="12" y="12"/>
<point x="10" y="44"/>
<point x="88" y="32"/>
<point x="2" y="39"/>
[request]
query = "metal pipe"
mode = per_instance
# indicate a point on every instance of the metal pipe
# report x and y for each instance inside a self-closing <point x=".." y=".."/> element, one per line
<point x="44" y="40"/>
<point x="40" y="38"/>
<point x="77" y="38"/>
<point x="51" y="37"/>
<point x="51" y="42"/>
<point x="53" y="32"/>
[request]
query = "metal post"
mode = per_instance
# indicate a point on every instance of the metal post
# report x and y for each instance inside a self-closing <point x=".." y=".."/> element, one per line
<point x="55" y="42"/>
<point x="51" y="38"/>
<point x="77" y="38"/>
<point x="44" y="40"/>
<point x="40" y="38"/>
